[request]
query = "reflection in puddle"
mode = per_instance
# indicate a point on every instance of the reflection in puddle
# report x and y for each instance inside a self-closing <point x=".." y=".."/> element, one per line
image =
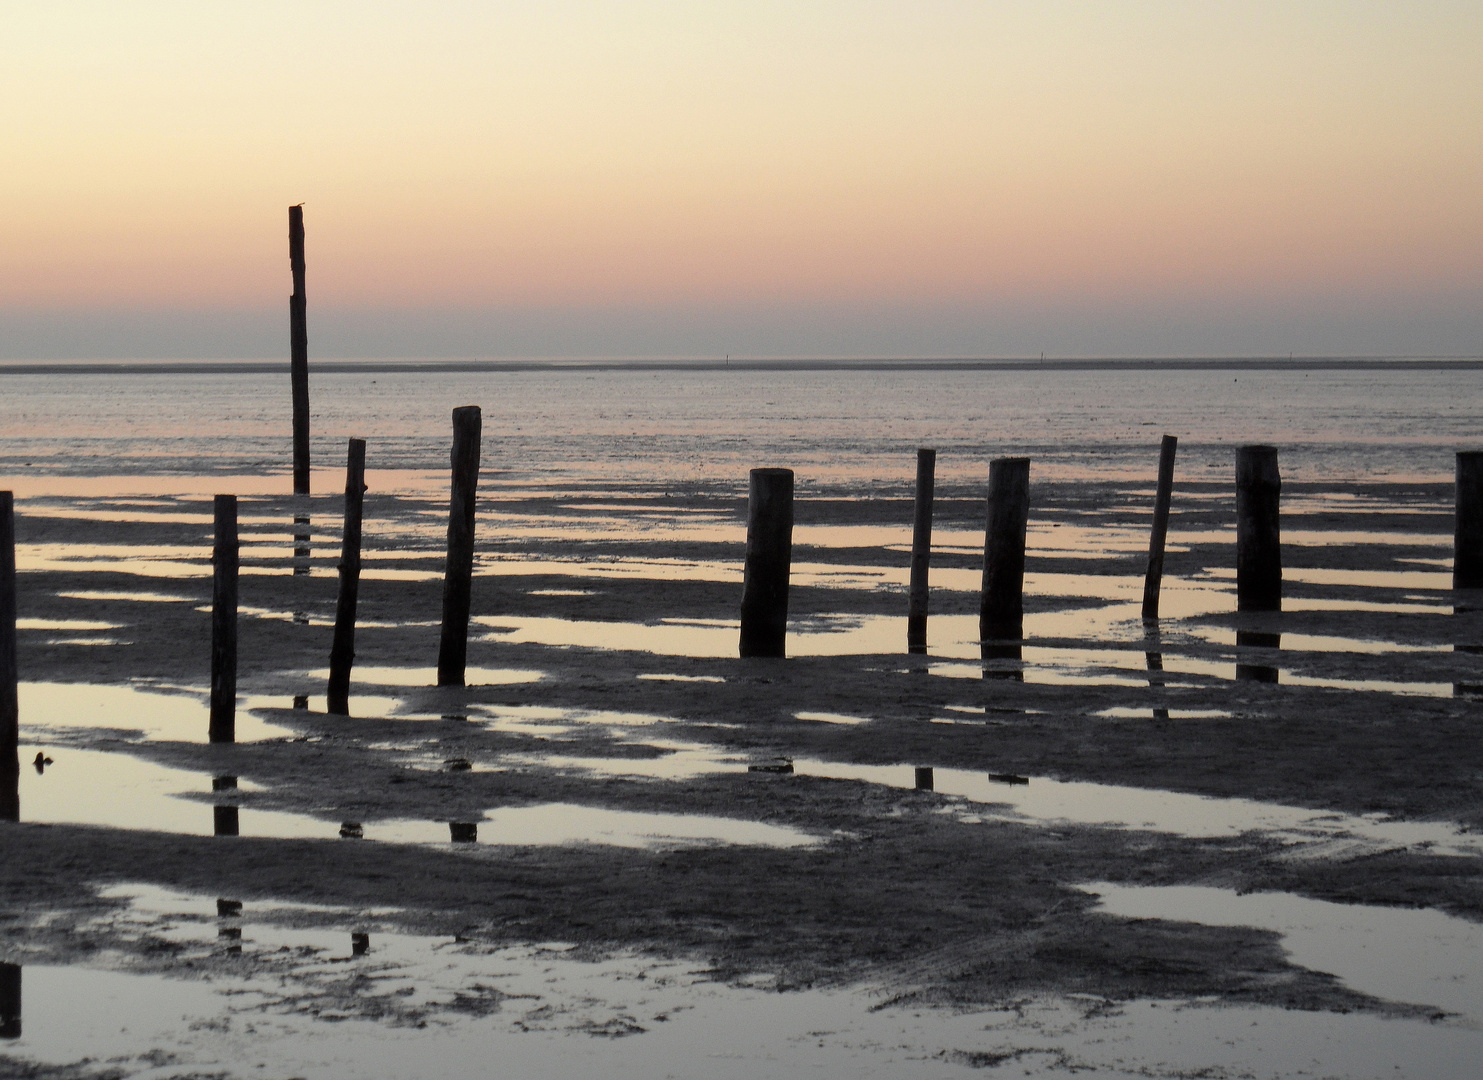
<point x="65" y="624"/>
<point x="1132" y="712"/>
<point x="552" y="824"/>
<point x="55" y="707"/>
<point x="428" y="676"/>
<point x="665" y="677"/>
<point x="91" y="787"/>
<point x="347" y="997"/>
<point x="135" y="597"/>
<point x="832" y="718"/>
<point x="1179" y="814"/>
<point x="1418" y="957"/>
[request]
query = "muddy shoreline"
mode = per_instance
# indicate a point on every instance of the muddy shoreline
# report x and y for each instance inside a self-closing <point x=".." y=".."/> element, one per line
<point x="898" y="890"/>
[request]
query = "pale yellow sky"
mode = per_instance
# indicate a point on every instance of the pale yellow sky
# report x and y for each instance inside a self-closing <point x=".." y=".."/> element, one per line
<point x="613" y="155"/>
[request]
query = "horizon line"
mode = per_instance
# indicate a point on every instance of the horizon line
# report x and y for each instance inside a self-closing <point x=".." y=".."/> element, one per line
<point x="747" y="363"/>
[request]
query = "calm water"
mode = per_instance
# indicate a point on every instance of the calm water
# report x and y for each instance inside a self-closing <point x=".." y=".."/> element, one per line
<point x="854" y="428"/>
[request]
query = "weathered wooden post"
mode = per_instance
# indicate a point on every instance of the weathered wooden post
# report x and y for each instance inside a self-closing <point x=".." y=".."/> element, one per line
<point x="224" y="622"/>
<point x="1467" y="540"/>
<point x="298" y="336"/>
<point x="769" y="559"/>
<point x="453" y="648"/>
<point x="10" y="730"/>
<point x="342" y="651"/>
<point x="1258" y="531"/>
<point x="1001" y="613"/>
<point x="10" y="1001"/>
<point x="921" y="553"/>
<point x="1162" y="497"/>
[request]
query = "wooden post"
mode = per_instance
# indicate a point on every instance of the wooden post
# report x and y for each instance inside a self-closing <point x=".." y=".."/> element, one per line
<point x="10" y="761"/>
<point x="453" y="649"/>
<point x="764" y="606"/>
<point x="225" y="821"/>
<point x="1467" y="542"/>
<point x="1001" y="612"/>
<point x="10" y="1001"/>
<point x="921" y="553"/>
<point x="924" y="778"/>
<point x="342" y="652"/>
<point x="1258" y="531"/>
<point x="298" y="340"/>
<point x="224" y="622"/>
<point x="1161" y="500"/>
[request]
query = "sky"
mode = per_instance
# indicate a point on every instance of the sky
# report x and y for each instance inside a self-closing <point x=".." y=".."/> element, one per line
<point x="800" y="178"/>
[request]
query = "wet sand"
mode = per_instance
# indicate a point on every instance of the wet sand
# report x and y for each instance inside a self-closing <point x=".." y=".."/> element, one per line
<point x="604" y="639"/>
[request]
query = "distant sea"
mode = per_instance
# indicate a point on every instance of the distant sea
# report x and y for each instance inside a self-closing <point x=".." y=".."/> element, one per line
<point x="843" y="428"/>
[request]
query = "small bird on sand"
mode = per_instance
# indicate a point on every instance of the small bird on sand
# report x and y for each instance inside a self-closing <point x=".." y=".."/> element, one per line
<point x="41" y="762"/>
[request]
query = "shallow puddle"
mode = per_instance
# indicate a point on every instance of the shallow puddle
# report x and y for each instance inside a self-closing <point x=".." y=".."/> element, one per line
<point x="1408" y="955"/>
<point x="91" y="787"/>
<point x="349" y="1000"/>
<point x="52" y="708"/>
<point x="551" y="824"/>
<point x="428" y="676"/>
<point x="1084" y="803"/>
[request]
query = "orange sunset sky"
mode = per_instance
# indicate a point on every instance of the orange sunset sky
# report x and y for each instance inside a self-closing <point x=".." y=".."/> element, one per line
<point x="801" y="178"/>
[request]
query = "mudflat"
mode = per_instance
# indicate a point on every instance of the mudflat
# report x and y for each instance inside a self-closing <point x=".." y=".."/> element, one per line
<point x="636" y="790"/>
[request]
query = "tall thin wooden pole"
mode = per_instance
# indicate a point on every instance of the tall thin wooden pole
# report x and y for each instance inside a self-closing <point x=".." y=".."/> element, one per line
<point x="1161" y="500"/>
<point x="769" y="561"/>
<point x="1258" y="530"/>
<point x="10" y="762"/>
<point x="298" y="337"/>
<point x="10" y="1001"/>
<point x="1467" y="541"/>
<point x="224" y="622"/>
<point x="1001" y="611"/>
<point x="342" y="652"/>
<point x="921" y="553"/>
<point x="453" y="648"/>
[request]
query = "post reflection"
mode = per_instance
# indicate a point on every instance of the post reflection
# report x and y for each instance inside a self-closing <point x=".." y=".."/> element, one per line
<point x="229" y="925"/>
<point x="1467" y="632"/>
<point x="1256" y="639"/>
<point x="1153" y="656"/>
<point x="1002" y="660"/>
<point x="301" y="543"/>
<point x="10" y="1001"/>
<point x="10" y="788"/>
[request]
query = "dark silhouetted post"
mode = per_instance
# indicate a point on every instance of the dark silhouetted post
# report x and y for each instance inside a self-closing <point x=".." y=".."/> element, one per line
<point x="342" y="652"/>
<point x="921" y="553"/>
<point x="764" y="606"/>
<point x="1001" y="613"/>
<point x="453" y="649"/>
<point x="298" y="338"/>
<point x="10" y="709"/>
<point x="10" y="1001"/>
<point x="1258" y="532"/>
<point x="224" y="821"/>
<point x="463" y="832"/>
<point x="924" y="778"/>
<point x="1467" y="542"/>
<point x="224" y="622"/>
<point x="1161" y="500"/>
